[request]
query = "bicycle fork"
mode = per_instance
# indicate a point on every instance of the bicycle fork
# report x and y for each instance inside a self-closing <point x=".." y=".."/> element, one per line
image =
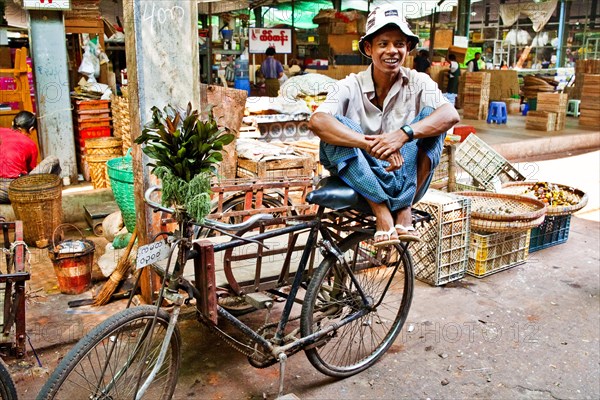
<point x="177" y="300"/>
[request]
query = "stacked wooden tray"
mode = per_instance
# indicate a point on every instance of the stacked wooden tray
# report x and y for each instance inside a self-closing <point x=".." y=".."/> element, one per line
<point x="590" y="104"/>
<point x="541" y="120"/>
<point x="555" y="103"/>
<point x="476" y="95"/>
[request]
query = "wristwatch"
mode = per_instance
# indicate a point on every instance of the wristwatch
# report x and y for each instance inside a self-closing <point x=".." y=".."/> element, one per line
<point x="409" y="132"/>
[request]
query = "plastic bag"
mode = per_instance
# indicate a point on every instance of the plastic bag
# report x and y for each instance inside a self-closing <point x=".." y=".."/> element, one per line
<point x="90" y="65"/>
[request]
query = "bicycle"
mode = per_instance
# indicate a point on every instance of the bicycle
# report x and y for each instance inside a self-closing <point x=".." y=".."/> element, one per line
<point x="358" y="293"/>
<point x="7" y="386"/>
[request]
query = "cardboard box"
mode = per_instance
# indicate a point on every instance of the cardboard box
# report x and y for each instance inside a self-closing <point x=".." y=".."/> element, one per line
<point x="444" y="39"/>
<point x="459" y="52"/>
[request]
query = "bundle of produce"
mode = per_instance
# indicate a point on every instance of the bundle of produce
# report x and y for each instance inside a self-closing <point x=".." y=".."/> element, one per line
<point x="560" y="199"/>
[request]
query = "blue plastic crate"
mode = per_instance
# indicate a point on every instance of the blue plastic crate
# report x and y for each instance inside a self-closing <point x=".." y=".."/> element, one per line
<point x="554" y="230"/>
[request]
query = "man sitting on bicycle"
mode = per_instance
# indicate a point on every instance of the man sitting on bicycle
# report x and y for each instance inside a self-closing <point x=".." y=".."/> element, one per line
<point x="382" y="130"/>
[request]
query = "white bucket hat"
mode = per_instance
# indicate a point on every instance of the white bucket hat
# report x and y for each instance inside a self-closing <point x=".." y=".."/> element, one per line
<point x="386" y="15"/>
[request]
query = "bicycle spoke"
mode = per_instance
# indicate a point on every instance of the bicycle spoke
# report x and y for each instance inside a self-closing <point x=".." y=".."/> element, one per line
<point x="371" y="282"/>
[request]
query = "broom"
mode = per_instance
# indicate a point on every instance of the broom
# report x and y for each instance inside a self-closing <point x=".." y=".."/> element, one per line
<point x="115" y="278"/>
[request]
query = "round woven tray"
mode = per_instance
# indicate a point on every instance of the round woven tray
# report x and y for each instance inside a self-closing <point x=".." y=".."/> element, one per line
<point x="519" y="188"/>
<point x="522" y="208"/>
<point x="486" y="225"/>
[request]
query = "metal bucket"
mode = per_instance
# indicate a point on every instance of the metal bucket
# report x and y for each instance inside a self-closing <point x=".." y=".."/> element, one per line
<point x="72" y="260"/>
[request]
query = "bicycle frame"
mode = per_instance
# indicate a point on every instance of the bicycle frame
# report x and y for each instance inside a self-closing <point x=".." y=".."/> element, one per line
<point x="205" y="292"/>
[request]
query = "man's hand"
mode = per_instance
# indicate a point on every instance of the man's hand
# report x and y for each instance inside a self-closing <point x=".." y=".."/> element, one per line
<point x="396" y="160"/>
<point x="384" y="145"/>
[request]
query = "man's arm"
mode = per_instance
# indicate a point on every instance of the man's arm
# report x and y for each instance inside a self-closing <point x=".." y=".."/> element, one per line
<point x="332" y="131"/>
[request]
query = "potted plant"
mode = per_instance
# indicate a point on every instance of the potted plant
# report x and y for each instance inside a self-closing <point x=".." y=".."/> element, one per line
<point x="185" y="150"/>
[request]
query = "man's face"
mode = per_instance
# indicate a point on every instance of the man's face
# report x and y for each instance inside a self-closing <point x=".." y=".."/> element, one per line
<point x="388" y="50"/>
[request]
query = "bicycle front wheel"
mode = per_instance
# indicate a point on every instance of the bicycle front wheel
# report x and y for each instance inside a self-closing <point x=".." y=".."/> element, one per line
<point x="116" y="357"/>
<point x="384" y="276"/>
<point x="7" y="386"/>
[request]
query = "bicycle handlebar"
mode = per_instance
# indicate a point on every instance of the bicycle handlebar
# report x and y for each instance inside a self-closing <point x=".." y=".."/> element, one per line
<point x="208" y="222"/>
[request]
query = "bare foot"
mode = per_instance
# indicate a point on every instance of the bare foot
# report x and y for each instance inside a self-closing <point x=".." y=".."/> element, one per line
<point x="404" y="227"/>
<point x="404" y="221"/>
<point x="384" y="226"/>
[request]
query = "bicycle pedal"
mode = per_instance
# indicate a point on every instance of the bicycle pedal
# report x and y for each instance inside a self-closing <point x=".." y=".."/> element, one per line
<point x="259" y="300"/>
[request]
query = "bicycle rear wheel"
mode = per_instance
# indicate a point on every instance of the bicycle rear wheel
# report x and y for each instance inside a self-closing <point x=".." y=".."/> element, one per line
<point x="7" y="386"/>
<point x="385" y="276"/>
<point x="116" y="357"/>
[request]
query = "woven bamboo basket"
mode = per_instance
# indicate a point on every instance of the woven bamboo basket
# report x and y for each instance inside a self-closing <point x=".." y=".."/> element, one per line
<point x="504" y="207"/>
<point x="491" y="226"/>
<point x="525" y="189"/>
<point x="499" y="212"/>
<point x="98" y="172"/>
<point x="37" y="201"/>
<point x="105" y="146"/>
<point x="121" y="121"/>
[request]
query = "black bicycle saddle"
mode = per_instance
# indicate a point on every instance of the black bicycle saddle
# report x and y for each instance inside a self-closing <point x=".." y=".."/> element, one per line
<point x="332" y="192"/>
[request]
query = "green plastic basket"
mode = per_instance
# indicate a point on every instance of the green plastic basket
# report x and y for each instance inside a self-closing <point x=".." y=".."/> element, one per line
<point x="120" y="172"/>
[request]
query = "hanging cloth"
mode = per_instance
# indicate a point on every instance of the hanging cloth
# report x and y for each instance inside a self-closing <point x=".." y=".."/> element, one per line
<point x="538" y="13"/>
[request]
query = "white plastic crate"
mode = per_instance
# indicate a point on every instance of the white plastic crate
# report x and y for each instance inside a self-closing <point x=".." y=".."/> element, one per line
<point x="484" y="164"/>
<point x="442" y="255"/>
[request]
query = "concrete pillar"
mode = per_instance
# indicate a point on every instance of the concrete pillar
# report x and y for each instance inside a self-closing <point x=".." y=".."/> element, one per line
<point x="49" y="56"/>
<point x="161" y="39"/>
<point x="563" y="27"/>
<point x="464" y="18"/>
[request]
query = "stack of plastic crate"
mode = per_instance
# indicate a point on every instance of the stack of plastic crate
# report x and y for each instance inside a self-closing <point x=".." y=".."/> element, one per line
<point x="441" y="257"/>
<point x="92" y="120"/>
<point x="490" y="252"/>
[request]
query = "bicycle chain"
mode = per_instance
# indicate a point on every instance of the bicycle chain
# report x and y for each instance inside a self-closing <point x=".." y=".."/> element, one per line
<point x="231" y="341"/>
<point x="245" y="349"/>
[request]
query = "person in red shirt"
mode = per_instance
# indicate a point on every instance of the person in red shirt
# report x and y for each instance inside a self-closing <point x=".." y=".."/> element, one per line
<point x="18" y="153"/>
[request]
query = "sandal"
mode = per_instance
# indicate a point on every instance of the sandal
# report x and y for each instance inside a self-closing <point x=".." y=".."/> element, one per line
<point x="389" y="241"/>
<point x="408" y="236"/>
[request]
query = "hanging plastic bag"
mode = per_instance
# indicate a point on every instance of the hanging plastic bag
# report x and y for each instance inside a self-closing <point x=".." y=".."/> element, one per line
<point x="511" y="37"/>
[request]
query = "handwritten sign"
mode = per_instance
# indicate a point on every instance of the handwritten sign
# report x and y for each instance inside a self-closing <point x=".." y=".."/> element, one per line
<point x="156" y="16"/>
<point x="151" y="253"/>
<point x="262" y="38"/>
<point x="47" y="4"/>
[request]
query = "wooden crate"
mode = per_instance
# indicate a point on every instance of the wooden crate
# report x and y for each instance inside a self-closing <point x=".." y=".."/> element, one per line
<point x="540" y="120"/>
<point x="288" y="197"/>
<point x="289" y="166"/>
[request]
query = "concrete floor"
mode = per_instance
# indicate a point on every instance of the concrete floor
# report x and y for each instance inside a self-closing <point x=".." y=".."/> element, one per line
<point x="531" y="331"/>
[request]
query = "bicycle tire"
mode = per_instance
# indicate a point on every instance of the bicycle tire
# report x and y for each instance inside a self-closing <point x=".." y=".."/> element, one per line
<point x="7" y="386"/>
<point x="330" y="297"/>
<point x="117" y="338"/>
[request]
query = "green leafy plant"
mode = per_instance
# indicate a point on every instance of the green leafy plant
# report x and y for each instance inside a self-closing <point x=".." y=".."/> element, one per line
<point x="185" y="150"/>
